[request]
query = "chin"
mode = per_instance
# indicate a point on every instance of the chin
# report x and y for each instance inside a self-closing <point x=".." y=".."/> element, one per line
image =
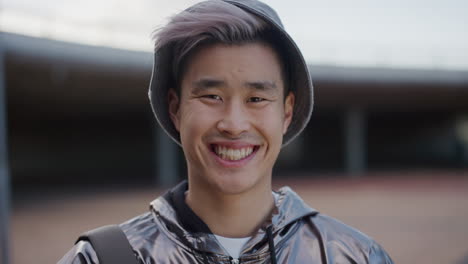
<point x="235" y="183"/>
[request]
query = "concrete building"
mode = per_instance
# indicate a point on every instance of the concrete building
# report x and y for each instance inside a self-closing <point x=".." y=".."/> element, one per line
<point x="80" y="113"/>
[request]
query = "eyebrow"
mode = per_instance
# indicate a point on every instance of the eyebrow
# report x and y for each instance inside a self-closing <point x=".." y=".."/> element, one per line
<point x="207" y="83"/>
<point x="261" y="85"/>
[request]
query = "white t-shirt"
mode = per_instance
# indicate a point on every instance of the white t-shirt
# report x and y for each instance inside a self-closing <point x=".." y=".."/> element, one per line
<point x="232" y="245"/>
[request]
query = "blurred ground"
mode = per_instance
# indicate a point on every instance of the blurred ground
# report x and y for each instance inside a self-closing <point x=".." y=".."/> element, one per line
<point x="417" y="217"/>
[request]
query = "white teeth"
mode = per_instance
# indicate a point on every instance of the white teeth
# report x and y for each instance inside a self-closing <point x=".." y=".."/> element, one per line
<point x="232" y="154"/>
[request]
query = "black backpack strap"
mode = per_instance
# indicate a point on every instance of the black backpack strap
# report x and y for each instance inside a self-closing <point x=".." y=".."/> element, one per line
<point x="111" y="245"/>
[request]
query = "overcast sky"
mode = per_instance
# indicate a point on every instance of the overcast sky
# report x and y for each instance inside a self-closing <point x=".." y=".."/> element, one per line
<point x="396" y="33"/>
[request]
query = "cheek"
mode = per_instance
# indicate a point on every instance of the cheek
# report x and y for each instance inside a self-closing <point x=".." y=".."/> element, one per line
<point x="194" y="124"/>
<point x="271" y="122"/>
<point x="195" y="119"/>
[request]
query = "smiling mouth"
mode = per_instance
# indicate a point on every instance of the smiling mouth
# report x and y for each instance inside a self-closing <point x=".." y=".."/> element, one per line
<point x="233" y="154"/>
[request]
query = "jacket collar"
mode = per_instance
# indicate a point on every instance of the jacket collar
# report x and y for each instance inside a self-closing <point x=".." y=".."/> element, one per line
<point x="187" y="217"/>
<point x="184" y="225"/>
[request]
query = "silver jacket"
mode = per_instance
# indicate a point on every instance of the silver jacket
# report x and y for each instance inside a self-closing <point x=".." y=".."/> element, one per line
<point x="296" y="233"/>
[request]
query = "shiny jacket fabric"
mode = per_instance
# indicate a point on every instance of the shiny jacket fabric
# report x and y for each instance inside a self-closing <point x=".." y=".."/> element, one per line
<point x="295" y="233"/>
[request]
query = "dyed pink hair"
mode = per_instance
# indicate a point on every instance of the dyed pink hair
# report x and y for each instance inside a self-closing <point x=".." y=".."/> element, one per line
<point x="211" y="21"/>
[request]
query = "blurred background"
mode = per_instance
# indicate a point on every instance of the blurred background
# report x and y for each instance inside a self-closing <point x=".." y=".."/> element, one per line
<point x="386" y="150"/>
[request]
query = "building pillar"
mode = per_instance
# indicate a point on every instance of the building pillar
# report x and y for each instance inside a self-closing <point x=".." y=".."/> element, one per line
<point x="166" y="152"/>
<point x="461" y="132"/>
<point x="4" y="168"/>
<point x="355" y="141"/>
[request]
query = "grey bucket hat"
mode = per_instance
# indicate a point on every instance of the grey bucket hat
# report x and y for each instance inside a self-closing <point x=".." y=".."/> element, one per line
<point x="300" y="82"/>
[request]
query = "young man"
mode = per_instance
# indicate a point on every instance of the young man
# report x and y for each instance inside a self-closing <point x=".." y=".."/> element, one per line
<point x="231" y="87"/>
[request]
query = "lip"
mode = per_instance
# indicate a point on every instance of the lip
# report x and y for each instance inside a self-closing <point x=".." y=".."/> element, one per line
<point x="233" y="145"/>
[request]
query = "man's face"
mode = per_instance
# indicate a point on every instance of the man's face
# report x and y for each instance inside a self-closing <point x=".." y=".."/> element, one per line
<point x="231" y="116"/>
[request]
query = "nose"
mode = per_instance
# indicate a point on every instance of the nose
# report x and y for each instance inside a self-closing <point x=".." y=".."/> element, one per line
<point x="234" y="120"/>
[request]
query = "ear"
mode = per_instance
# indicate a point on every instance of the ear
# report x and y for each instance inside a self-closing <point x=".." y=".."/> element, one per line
<point x="173" y="104"/>
<point x="288" y="111"/>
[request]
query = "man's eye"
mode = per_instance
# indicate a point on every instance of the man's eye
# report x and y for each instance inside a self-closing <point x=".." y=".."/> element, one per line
<point x="212" y="96"/>
<point x="256" y="99"/>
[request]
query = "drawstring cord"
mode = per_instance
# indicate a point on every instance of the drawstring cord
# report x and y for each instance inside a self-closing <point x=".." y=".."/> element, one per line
<point x="316" y="231"/>
<point x="205" y="258"/>
<point x="271" y="245"/>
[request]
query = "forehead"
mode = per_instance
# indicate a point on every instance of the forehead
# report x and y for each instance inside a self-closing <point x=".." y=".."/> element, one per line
<point x="234" y="64"/>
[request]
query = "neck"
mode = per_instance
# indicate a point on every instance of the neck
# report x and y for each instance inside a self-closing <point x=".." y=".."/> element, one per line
<point x="231" y="215"/>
